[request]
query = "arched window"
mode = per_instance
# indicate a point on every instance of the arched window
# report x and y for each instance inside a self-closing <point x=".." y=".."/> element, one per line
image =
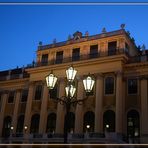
<point x="51" y="122"/>
<point x="20" y="124"/>
<point x="6" y="126"/>
<point x="89" y="119"/>
<point x="133" y="124"/>
<point x="109" y="121"/>
<point x="34" y="128"/>
<point x="71" y="122"/>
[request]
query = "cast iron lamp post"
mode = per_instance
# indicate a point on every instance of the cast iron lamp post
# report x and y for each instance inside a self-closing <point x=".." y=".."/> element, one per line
<point x="70" y="89"/>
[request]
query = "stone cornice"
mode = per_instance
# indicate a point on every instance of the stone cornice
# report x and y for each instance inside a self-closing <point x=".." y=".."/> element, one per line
<point x="135" y="65"/>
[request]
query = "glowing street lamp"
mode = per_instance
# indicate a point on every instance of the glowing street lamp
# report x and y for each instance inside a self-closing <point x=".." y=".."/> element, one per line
<point x="51" y="80"/>
<point x="70" y="89"/>
<point x="88" y="83"/>
<point x="71" y="73"/>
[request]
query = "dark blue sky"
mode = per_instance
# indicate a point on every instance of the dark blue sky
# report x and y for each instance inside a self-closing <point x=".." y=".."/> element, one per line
<point x="23" y="26"/>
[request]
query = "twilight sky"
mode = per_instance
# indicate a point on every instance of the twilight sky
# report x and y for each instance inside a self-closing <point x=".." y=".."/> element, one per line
<point x="23" y="26"/>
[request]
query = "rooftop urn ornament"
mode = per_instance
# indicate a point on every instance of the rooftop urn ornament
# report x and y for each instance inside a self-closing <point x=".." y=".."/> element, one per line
<point x="39" y="45"/>
<point x="86" y="33"/>
<point x="122" y="26"/>
<point x="104" y="30"/>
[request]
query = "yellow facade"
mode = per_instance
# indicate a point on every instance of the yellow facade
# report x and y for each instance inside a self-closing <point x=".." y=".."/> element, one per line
<point x="115" y="112"/>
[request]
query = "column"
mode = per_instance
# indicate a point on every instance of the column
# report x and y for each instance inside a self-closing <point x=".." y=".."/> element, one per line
<point x="60" y="110"/>
<point x="43" y="113"/>
<point x="2" y="111"/>
<point x="123" y="109"/>
<point x="119" y="103"/>
<point x="99" y="105"/>
<point x="27" y="120"/>
<point x="79" y="109"/>
<point x="144" y="107"/>
<point x="15" y="112"/>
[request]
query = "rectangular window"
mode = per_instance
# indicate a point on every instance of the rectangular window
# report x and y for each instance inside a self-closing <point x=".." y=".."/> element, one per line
<point x="44" y="60"/>
<point x="11" y="96"/>
<point x="38" y="92"/>
<point x="112" y="46"/>
<point x="93" y="51"/>
<point x="59" y="57"/>
<point x="132" y="86"/>
<point x="53" y="93"/>
<point x="76" y="54"/>
<point x="24" y="95"/>
<point x="109" y="85"/>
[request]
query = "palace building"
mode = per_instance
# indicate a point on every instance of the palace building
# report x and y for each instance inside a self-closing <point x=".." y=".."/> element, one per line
<point x="116" y="111"/>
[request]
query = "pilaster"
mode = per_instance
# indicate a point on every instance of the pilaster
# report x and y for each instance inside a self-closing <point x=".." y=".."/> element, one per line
<point x="99" y="105"/>
<point x="2" y="111"/>
<point x="79" y="109"/>
<point x="15" y="112"/>
<point x="27" y="120"/>
<point x="144" y="109"/>
<point x="119" y="103"/>
<point x="60" y="110"/>
<point x="43" y="112"/>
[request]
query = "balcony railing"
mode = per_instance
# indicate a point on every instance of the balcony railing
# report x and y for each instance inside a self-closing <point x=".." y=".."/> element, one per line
<point x="138" y="59"/>
<point x="79" y="58"/>
<point x="14" y="76"/>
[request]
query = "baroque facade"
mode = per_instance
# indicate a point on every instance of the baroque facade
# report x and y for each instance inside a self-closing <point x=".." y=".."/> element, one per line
<point x="116" y="111"/>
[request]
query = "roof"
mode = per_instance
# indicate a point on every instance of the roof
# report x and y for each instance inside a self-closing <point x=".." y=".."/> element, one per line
<point x="82" y="39"/>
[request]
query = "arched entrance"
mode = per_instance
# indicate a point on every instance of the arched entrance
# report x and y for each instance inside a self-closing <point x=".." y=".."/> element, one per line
<point x="20" y="124"/>
<point x="51" y="123"/>
<point x="109" y="121"/>
<point x="133" y="124"/>
<point x="34" y="128"/>
<point x="6" y="126"/>
<point x="71" y="122"/>
<point x="89" y="119"/>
